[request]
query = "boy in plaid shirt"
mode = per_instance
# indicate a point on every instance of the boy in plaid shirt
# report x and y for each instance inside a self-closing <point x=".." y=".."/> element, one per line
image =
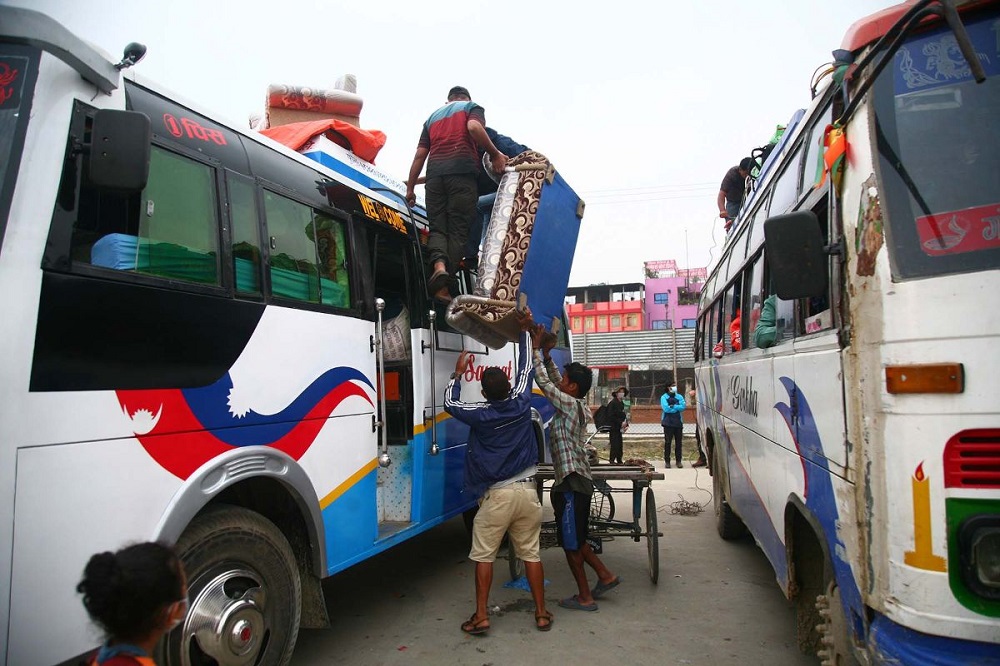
<point x="573" y="482"/>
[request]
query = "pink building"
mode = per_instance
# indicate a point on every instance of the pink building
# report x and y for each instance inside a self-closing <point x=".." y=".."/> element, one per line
<point x="671" y="298"/>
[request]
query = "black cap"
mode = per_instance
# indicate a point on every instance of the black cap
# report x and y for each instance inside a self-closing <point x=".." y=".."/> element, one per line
<point x="459" y="90"/>
<point x="580" y="375"/>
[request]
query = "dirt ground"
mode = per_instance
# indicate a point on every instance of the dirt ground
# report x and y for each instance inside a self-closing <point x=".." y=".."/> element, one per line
<point x="715" y="602"/>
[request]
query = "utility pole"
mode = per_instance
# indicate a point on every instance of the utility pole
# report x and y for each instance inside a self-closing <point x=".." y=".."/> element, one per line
<point x="687" y="261"/>
<point x="673" y="345"/>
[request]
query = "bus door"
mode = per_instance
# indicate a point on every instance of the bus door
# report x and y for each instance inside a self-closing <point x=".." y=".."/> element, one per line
<point x="396" y="282"/>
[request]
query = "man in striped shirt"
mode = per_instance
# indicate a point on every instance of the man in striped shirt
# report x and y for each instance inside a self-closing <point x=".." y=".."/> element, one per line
<point x="451" y="142"/>
<point x="574" y="485"/>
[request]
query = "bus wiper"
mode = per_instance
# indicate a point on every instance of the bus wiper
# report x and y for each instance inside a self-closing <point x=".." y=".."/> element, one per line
<point x="885" y="148"/>
<point x="895" y="36"/>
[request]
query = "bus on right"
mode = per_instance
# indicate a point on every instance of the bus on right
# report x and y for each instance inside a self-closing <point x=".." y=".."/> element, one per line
<point x="847" y="366"/>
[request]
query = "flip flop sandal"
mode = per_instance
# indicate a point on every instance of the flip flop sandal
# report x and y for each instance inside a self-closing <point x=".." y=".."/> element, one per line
<point x="437" y="281"/>
<point x="601" y="588"/>
<point x="475" y="627"/>
<point x="573" y="603"/>
<point x="544" y="616"/>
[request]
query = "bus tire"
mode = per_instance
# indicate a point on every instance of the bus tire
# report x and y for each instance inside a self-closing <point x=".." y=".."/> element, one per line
<point x="835" y="643"/>
<point x="244" y="592"/>
<point x="727" y="522"/>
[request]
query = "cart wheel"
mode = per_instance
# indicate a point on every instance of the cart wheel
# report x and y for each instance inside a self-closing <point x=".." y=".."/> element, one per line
<point x="652" y="537"/>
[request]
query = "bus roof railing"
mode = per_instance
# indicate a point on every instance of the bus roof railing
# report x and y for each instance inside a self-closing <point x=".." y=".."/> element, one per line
<point x="31" y="28"/>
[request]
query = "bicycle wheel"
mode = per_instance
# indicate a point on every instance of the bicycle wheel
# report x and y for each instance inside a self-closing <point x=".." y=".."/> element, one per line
<point x="602" y="504"/>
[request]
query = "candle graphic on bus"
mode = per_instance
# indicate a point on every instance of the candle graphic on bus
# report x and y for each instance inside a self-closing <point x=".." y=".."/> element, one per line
<point x="922" y="556"/>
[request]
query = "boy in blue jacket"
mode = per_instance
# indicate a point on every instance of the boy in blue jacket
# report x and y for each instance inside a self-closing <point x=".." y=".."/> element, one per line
<point x="500" y="466"/>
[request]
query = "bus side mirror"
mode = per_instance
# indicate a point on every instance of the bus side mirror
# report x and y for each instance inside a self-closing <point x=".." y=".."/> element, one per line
<point x="795" y="255"/>
<point x="118" y="153"/>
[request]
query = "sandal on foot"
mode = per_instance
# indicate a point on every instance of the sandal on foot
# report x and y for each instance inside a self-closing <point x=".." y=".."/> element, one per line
<point x="437" y="281"/>
<point x="475" y="627"/>
<point x="547" y="617"/>
<point x="601" y="588"/>
<point x="573" y="603"/>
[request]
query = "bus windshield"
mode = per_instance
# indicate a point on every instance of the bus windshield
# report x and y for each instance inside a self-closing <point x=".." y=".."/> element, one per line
<point x="939" y="153"/>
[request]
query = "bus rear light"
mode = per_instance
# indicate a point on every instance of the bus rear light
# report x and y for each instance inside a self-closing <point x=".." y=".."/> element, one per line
<point x="979" y="539"/>
<point x="929" y="378"/>
<point x="972" y="459"/>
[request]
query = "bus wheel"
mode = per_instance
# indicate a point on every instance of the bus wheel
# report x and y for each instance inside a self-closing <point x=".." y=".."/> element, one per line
<point x="727" y="522"/>
<point x="836" y="643"/>
<point x="243" y="589"/>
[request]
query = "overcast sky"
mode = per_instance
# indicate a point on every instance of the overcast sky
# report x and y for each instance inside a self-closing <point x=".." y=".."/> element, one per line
<point x="641" y="106"/>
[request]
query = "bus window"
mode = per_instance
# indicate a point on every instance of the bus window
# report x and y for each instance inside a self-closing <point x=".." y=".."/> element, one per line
<point x="246" y="234"/>
<point x="815" y="312"/>
<point x="786" y="188"/>
<point x="335" y="288"/>
<point x="757" y="225"/>
<point x="784" y="311"/>
<point x="719" y="332"/>
<point x="171" y="230"/>
<point x="784" y="320"/>
<point x="752" y="279"/>
<point x="813" y="168"/>
<point x="733" y="321"/>
<point x="307" y="253"/>
<point x="178" y="229"/>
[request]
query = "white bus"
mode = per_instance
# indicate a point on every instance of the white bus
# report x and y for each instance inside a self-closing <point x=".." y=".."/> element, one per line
<point x="847" y="367"/>
<point x="189" y="354"/>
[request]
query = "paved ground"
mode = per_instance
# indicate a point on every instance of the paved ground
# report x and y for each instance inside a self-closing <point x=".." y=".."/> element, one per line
<point x="716" y="602"/>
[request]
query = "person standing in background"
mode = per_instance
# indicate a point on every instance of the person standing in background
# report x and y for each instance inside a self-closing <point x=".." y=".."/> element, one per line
<point x="617" y="422"/>
<point x="673" y="407"/>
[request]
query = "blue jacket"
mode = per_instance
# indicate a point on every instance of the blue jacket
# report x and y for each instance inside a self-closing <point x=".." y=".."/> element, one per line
<point x="672" y="410"/>
<point x="501" y="435"/>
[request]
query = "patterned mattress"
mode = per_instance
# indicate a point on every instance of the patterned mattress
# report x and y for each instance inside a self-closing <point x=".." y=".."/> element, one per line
<point x="488" y="314"/>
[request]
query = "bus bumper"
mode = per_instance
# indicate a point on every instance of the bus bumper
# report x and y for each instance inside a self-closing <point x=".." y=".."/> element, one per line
<point x="892" y="644"/>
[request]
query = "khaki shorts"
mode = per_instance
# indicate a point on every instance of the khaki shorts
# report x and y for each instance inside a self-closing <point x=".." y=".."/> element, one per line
<point x="513" y="509"/>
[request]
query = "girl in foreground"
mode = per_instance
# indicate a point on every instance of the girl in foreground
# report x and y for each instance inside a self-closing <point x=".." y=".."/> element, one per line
<point x="136" y="596"/>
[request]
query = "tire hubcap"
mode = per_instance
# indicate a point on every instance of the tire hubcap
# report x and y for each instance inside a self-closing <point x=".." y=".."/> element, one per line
<point x="226" y="619"/>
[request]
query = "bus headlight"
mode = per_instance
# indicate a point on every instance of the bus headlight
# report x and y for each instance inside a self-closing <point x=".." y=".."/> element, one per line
<point x="980" y="545"/>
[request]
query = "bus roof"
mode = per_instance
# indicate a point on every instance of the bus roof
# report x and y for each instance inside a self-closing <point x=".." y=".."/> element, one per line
<point x="26" y="26"/>
<point x="869" y="29"/>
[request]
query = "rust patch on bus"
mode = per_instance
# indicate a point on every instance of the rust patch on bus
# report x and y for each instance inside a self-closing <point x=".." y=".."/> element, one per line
<point x="869" y="238"/>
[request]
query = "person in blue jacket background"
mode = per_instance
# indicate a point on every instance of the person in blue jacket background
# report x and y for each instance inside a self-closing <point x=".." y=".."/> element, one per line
<point x="672" y="404"/>
<point x="500" y="466"/>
